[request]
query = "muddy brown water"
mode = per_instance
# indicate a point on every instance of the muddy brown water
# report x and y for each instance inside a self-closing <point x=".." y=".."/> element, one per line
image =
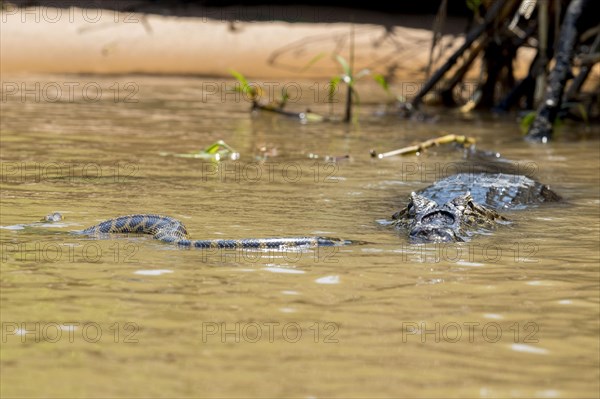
<point x="510" y="314"/>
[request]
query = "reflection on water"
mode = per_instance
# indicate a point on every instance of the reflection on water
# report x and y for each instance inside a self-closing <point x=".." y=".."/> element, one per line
<point x="513" y="313"/>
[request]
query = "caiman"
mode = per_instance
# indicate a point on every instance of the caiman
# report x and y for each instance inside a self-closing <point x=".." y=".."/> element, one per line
<point x="455" y="208"/>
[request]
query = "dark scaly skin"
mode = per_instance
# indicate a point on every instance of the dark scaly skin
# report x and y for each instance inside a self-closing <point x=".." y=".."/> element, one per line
<point x="167" y="229"/>
<point x="454" y="208"/>
<point x="494" y="190"/>
<point x="456" y="220"/>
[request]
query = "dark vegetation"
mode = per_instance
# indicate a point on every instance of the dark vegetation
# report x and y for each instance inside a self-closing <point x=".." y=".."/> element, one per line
<point x="564" y="33"/>
<point x="568" y="31"/>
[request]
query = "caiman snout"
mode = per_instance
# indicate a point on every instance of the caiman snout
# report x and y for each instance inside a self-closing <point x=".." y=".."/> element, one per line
<point x="429" y="234"/>
<point x="435" y="226"/>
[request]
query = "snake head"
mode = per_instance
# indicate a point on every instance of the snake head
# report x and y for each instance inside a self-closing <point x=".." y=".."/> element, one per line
<point x="53" y="217"/>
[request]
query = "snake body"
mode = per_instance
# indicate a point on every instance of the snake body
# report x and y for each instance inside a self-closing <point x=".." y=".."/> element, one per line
<point x="170" y="230"/>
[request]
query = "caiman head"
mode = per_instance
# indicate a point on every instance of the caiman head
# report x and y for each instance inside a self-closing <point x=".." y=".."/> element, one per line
<point x="426" y="221"/>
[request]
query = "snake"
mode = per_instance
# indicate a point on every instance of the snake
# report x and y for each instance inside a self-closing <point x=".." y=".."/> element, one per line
<point x="173" y="231"/>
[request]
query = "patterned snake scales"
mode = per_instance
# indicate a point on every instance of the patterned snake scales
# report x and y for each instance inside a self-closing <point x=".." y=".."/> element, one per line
<point x="171" y="230"/>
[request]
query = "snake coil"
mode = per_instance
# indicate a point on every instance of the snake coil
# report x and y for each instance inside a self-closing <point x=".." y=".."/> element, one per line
<point x="170" y="230"/>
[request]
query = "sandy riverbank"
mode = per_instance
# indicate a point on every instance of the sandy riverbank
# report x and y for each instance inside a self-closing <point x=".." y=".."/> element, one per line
<point x="99" y="41"/>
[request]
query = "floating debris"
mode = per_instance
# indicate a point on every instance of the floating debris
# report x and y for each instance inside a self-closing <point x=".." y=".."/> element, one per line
<point x="266" y="152"/>
<point x="418" y="148"/>
<point x="330" y="158"/>
<point x="217" y="151"/>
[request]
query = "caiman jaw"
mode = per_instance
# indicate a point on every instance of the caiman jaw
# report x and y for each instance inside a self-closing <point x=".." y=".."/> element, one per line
<point x="436" y="226"/>
<point x="423" y="234"/>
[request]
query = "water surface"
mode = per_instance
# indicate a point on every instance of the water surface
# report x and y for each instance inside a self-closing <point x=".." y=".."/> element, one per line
<point x="511" y="314"/>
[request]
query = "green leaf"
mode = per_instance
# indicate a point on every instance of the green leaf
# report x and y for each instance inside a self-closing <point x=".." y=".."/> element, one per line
<point x="345" y="65"/>
<point x="240" y="78"/>
<point x="333" y="84"/>
<point x="380" y="79"/>
<point x="473" y="5"/>
<point x="244" y="85"/>
<point x="313" y="61"/>
<point x="215" y="147"/>
<point x="219" y="150"/>
<point x="355" y="96"/>
<point x="584" y="113"/>
<point x="361" y="73"/>
<point x="284" y="97"/>
<point x="312" y="117"/>
<point x="527" y="121"/>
